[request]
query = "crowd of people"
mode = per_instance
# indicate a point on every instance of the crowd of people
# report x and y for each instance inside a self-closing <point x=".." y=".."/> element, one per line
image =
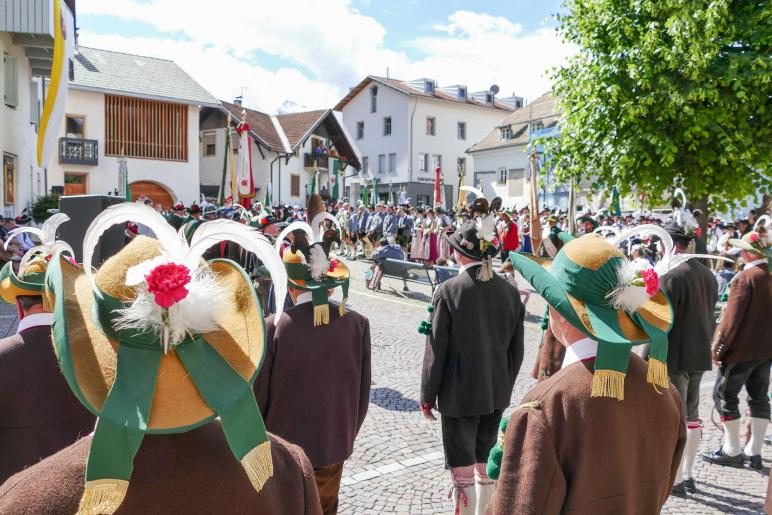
<point x="204" y="367"/>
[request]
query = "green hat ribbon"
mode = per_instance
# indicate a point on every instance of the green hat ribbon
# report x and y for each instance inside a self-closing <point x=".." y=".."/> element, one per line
<point x="318" y="289"/>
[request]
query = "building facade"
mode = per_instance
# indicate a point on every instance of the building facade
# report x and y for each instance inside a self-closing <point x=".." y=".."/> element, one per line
<point x="141" y="109"/>
<point x="406" y="130"/>
<point x="287" y="151"/>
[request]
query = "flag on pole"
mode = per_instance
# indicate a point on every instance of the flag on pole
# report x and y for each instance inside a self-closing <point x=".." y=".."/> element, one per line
<point x="391" y="193"/>
<point x="245" y="181"/>
<point x="221" y="196"/>
<point x="461" y="202"/>
<point x="53" y="109"/>
<point x="375" y="190"/>
<point x="123" y="173"/>
<point x="437" y="187"/>
<point x="334" y="178"/>
<point x="616" y="210"/>
<point x="267" y="200"/>
<point x="365" y="193"/>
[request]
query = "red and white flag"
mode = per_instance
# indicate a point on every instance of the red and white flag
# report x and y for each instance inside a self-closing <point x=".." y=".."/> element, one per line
<point x="244" y="181"/>
<point x="438" y="187"/>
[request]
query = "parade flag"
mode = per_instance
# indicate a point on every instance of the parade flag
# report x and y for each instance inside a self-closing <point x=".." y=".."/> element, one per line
<point x="461" y="202"/>
<point x="244" y="179"/>
<point x="53" y="109"/>
<point x="437" y="187"/>
<point x="267" y="200"/>
<point x="572" y="208"/>
<point x="334" y="178"/>
<point x="391" y="193"/>
<point x="375" y="190"/>
<point x="227" y="163"/>
<point x="123" y="174"/>
<point x="365" y="193"/>
<point x="616" y="210"/>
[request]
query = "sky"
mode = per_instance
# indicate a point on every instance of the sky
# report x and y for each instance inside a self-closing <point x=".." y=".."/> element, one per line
<point x="295" y="55"/>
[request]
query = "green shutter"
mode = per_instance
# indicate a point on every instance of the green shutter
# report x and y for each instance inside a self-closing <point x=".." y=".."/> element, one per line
<point x="10" y="76"/>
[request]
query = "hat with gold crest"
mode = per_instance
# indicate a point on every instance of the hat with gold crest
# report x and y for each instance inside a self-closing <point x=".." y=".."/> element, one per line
<point x="159" y="341"/>
<point x="309" y="263"/>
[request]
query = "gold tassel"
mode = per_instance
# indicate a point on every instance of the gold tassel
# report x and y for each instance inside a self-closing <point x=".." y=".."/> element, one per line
<point x="657" y="374"/>
<point x="486" y="270"/>
<point x="342" y="307"/>
<point x="321" y="315"/>
<point x="608" y="383"/>
<point x="102" y="496"/>
<point x="258" y="465"/>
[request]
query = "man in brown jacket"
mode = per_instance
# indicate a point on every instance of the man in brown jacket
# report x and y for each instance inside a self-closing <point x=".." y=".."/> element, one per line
<point x="594" y="437"/>
<point x="314" y="385"/>
<point x="742" y="349"/>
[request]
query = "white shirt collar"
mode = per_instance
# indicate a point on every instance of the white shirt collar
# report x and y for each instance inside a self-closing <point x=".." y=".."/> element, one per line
<point x="469" y="265"/>
<point x="755" y="262"/>
<point x="304" y="297"/>
<point x="34" y="320"/>
<point x="580" y="350"/>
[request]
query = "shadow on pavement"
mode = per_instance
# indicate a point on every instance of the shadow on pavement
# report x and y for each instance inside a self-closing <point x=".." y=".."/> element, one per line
<point x="392" y="400"/>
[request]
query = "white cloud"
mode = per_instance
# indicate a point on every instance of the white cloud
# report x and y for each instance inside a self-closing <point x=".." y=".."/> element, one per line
<point x="325" y="48"/>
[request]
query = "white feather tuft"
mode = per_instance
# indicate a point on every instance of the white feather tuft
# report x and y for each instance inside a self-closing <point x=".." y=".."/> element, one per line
<point x="664" y="237"/>
<point x="471" y="189"/>
<point x="294" y="226"/>
<point x="319" y="263"/>
<point x="317" y="221"/>
<point x="486" y="227"/>
<point x="626" y="296"/>
<point x="47" y="236"/>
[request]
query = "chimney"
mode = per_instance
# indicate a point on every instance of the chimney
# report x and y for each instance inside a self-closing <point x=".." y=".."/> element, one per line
<point x="237" y="100"/>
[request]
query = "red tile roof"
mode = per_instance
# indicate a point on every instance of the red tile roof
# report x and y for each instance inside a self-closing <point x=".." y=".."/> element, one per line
<point x="260" y="124"/>
<point x="297" y="125"/>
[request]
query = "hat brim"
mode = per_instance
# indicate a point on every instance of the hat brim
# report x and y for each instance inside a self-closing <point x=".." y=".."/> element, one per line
<point x="88" y="357"/>
<point x="598" y="322"/>
<point x="11" y="286"/>
<point x="339" y="275"/>
<point x="744" y="245"/>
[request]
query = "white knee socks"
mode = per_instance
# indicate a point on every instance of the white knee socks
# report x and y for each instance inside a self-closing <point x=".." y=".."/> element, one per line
<point x="693" y="438"/>
<point x="484" y="488"/>
<point x="758" y="430"/>
<point x="731" y="445"/>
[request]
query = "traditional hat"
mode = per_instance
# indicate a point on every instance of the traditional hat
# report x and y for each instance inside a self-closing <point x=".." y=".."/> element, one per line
<point x="477" y="239"/>
<point x="194" y="209"/>
<point x="159" y="341"/>
<point x="591" y="284"/>
<point x="678" y="232"/>
<point x="32" y="267"/>
<point x="22" y="219"/>
<point x="179" y="206"/>
<point x="588" y="218"/>
<point x="309" y="264"/>
<point x="754" y="242"/>
<point x="208" y="209"/>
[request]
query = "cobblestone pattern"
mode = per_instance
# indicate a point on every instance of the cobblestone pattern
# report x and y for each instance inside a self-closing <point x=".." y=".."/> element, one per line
<point x="398" y="466"/>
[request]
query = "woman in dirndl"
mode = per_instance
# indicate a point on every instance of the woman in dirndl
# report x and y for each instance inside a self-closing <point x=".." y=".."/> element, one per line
<point x="430" y="238"/>
<point x="416" y="243"/>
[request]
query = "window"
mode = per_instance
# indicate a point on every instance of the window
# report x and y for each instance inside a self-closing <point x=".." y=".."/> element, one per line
<point x="360" y="130"/>
<point x="146" y="129"/>
<point x="423" y="162"/>
<point x="387" y="126"/>
<point x="461" y="130"/>
<point x="294" y="185"/>
<point x="536" y="126"/>
<point x="75" y="126"/>
<point x="34" y="104"/>
<point x="381" y="163"/>
<point x="489" y="98"/>
<point x="436" y="162"/>
<point x="462" y="93"/>
<point x="503" y="175"/>
<point x="11" y="81"/>
<point x="392" y="162"/>
<point x="461" y="165"/>
<point x="210" y="144"/>
<point x="431" y="126"/>
<point x="365" y="164"/>
<point x="506" y="132"/>
<point x="75" y="184"/>
<point x="429" y="86"/>
<point x="373" y="99"/>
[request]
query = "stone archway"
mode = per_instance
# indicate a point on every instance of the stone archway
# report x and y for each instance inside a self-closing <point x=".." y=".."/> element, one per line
<point x="157" y="192"/>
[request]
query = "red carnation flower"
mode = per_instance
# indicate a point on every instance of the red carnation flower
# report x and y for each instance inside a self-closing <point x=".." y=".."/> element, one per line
<point x="333" y="264"/>
<point x="651" y="280"/>
<point x="167" y="283"/>
<point x="754" y="237"/>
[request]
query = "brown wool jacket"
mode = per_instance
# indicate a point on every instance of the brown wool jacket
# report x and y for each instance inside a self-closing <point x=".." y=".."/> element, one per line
<point x="314" y="386"/>
<point x="743" y="333"/>
<point x="191" y="473"/>
<point x="39" y="414"/>
<point x="570" y="453"/>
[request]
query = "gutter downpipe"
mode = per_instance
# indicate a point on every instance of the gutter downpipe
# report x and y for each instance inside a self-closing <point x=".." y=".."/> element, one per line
<point x="278" y="156"/>
<point x="410" y="159"/>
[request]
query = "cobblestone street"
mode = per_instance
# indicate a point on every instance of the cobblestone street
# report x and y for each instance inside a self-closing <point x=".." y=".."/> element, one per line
<point x="397" y="464"/>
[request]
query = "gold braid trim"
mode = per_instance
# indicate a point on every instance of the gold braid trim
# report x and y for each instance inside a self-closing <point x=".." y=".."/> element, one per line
<point x="321" y="315"/>
<point x="657" y="374"/>
<point x="342" y="307"/>
<point x="608" y="383"/>
<point x="102" y="496"/>
<point x="258" y="465"/>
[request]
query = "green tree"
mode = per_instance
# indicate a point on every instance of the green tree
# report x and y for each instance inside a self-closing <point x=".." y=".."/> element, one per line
<point x="666" y="93"/>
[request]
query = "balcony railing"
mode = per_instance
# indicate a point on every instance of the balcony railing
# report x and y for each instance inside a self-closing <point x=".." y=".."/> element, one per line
<point x="77" y="151"/>
<point x="322" y="161"/>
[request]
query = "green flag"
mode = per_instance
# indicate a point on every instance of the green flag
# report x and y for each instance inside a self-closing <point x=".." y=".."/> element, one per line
<point x="365" y="193"/>
<point x="375" y="190"/>
<point x="615" y="209"/>
<point x="335" y="168"/>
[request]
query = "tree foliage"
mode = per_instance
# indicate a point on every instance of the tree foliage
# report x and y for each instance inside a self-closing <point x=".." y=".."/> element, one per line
<point x="40" y="208"/>
<point x="666" y="93"/>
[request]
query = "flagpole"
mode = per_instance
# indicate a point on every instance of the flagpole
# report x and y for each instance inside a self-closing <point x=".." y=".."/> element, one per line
<point x="221" y="196"/>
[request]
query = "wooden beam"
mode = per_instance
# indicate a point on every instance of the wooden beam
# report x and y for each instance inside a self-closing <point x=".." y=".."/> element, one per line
<point x="39" y="53"/>
<point x="28" y="40"/>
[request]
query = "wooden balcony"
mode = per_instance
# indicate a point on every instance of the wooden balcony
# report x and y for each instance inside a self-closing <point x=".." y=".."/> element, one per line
<point x="322" y="161"/>
<point x="78" y="151"/>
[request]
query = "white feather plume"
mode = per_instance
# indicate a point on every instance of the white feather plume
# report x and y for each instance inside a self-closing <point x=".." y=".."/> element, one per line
<point x="627" y="296"/>
<point x="319" y="264"/>
<point x="471" y="189"/>
<point x="764" y="221"/>
<point x="680" y="193"/>
<point x="49" y="245"/>
<point x="317" y="221"/>
<point x="294" y="226"/>
<point x="486" y="227"/>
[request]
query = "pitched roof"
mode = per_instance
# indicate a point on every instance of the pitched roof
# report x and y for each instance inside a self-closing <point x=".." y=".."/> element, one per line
<point x="136" y="76"/>
<point x="543" y="109"/>
<point x="260" y="123"/>
<point x="406" y="88"/>
<point x="297" y="125"/>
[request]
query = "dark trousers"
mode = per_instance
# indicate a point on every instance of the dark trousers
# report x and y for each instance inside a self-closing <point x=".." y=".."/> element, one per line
<point x="469" y="440"/>
<point x="731" y="378"/>
<point x="328" y="484"/>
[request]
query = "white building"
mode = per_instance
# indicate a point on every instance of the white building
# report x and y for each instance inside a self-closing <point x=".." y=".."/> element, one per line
<point x="405" y="130"/>
<point x="143" y="108"/>
<point x="501" y="165"/>
<point x="26" y="44"/>
<point x="285" y="149"/>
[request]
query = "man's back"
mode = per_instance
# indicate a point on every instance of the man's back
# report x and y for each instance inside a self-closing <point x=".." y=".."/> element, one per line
<point x="314" y="385"/>
<point x="693" y="293"/>
<point x="40" y="414"/>
<point x="190" y="473"/>
<point x="476" y="349"/>
<point x="569" y="452"/>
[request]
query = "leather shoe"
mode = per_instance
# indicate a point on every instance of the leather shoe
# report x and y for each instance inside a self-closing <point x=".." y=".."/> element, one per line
<point x="754" y="462"/>
<point x="719" y="458"/>
<point x="689" y="486"/>
<point x="678" y="490"/>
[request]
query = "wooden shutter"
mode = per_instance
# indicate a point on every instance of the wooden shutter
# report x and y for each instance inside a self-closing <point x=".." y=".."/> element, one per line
<point x="146" y="129"/>
<point x="11" y="80"/>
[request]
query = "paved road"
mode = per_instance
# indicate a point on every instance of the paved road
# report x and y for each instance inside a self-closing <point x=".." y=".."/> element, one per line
<point x="397" y="465"/>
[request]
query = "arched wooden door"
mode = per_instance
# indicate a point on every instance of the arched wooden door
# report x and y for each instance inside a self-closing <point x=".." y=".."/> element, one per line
<point x="152" y="190"/>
